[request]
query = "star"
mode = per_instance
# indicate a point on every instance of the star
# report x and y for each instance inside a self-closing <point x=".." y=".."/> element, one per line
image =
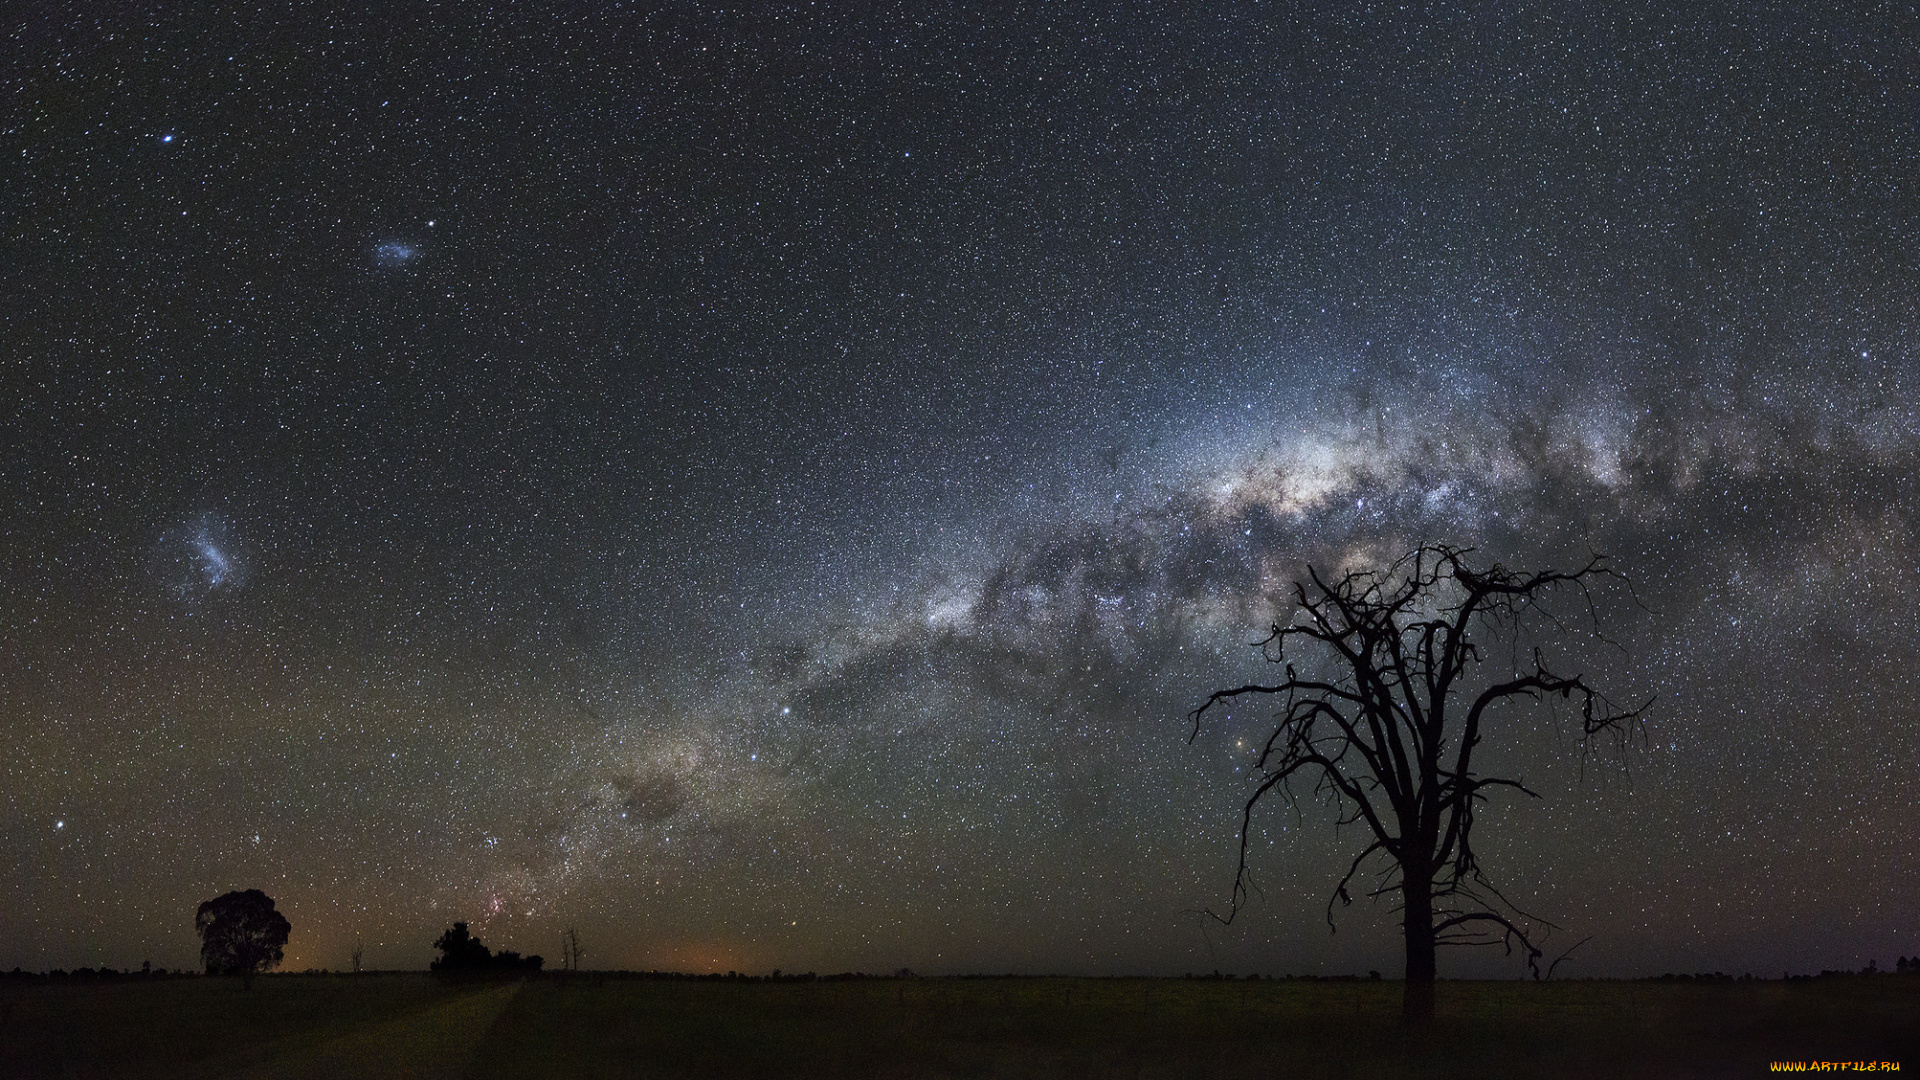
<point x="743" y="523"/>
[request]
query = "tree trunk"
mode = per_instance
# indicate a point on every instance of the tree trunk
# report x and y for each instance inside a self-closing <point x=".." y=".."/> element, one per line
<point x="1416" y="1008"/>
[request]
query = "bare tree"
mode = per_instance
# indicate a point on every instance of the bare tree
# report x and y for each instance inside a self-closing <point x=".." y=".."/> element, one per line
<point x="1382" y="735"/>
<point x="359" y="949"/>
<point x="570" y="951"/>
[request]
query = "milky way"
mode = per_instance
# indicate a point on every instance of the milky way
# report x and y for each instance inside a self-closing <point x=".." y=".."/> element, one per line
<point x="785" y="516"/>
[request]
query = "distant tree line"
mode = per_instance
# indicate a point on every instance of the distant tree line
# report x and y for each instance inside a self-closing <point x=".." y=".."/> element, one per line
<point x="144" y="971"/>
<point x="778" y="976"/>
<point x="1906" y="965"/>
<point x="107" y="973"/>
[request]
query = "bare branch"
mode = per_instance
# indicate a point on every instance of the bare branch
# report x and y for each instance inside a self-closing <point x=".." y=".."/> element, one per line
<point x="1551" y="968"/>
<point x="1340" y="890"/>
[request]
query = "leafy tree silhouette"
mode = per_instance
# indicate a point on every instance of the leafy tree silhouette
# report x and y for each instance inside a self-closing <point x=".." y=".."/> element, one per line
<point x="461" y="952"/>
<point x="241" y="934"/>
<point x="1385" y="726"/>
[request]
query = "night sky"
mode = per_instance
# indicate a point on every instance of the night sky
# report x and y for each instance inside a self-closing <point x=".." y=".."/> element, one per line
<point x="764" y="486"/>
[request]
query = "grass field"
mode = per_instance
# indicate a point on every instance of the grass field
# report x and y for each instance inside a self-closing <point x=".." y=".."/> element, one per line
<point x="608" y="1026"/>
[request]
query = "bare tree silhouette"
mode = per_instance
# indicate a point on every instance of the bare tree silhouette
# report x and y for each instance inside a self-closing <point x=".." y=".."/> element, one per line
<point x="1382" y="735"/>
<point x="570" y="951"/>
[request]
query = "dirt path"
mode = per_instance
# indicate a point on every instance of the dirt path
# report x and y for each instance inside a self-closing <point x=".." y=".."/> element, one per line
<point x="435" y="1045"/>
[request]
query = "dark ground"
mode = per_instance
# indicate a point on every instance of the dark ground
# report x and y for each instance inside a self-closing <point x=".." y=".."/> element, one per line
<point x="591" y="1025"/>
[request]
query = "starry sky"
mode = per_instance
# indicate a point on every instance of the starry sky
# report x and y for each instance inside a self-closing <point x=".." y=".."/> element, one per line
<point x="764" y="485"/>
